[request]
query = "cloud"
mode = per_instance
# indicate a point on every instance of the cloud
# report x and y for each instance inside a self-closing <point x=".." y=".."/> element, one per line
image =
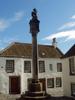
<point x="17" y="16"/>
<point x="5" y="23"/>
<point x="70" y="34"/>
<point x="5" y="41"/>
<point x="73" y="17"/>
<point x="67" y="25"/>
<point x="9" y="40"/>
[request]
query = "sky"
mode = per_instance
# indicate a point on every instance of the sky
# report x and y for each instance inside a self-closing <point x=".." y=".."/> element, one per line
<point x="57" y="20"/>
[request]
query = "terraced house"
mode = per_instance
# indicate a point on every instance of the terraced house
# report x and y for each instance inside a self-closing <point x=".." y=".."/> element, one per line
<point x="69" y="72"/>
<point x="16" y="68"/>
<point x="53" y="68"/>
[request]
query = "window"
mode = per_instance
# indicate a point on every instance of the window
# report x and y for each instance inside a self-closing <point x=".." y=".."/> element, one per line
<point x="41" y="66"/>
<point x="50" y="67"/>
<point x="72" y="66"/>
<point x="50" y="83"/>
<point x="9" y="66"/>
<point x="27" y="66"/>
<point x="59" y="67"/>
<point x="58" y="82"/>
<point x="73" y="89"/>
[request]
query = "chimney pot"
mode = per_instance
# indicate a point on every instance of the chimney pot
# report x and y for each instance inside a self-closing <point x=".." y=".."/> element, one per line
<point x="54" y="43"/>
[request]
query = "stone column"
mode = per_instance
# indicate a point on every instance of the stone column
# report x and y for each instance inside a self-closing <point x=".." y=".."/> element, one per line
<point x="34" y="29"/>
<point x="35" y="90"/>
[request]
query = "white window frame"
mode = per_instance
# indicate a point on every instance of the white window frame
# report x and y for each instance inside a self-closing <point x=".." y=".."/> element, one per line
<point x="59" y="67"/>
<point x="58" y="82"/>
<point x="27" y="68"/>
<point x="51" y="67"/>
<point x="73" y="89"/>
<point x="41" y="66"/>
<point x="10" y="66"/>
<point x="72" y="66"/>
<point x="50" y="83"/>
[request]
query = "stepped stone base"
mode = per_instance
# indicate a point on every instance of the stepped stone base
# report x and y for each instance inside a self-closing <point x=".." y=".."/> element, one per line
<point x="33" y="96"/>
<point x="35" y="92"/>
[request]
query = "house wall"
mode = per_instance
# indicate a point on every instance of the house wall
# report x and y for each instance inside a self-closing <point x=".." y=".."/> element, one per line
<point x="56" y="91"/>
<point x="25" y="76"/>
<point x="67" y="78"/>
<point x="19" y="71"/>
<point x="5" y="76"/>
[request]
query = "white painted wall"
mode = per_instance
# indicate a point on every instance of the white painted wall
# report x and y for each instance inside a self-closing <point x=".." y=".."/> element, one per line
<point x="67" y="78"/>
<point x="5" y="76"/>
<point x="56" y="91"/>
<point x="19" y="71"/>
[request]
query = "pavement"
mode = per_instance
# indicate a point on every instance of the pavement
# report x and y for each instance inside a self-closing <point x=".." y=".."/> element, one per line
<point x="15" y="97"/>
<point x="8" y="97"/>
<point x="60" y="98"/>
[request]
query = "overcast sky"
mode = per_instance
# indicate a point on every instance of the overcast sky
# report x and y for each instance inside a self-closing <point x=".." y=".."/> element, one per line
<point x="57" y="19"/>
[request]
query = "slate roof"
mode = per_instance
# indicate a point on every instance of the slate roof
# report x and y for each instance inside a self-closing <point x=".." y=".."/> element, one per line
<point x="71" y="52"/>
<point x="25" y="50"/>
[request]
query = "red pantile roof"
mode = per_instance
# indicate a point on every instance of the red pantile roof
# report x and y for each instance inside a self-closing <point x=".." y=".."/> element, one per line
<point x="25" y="50"/>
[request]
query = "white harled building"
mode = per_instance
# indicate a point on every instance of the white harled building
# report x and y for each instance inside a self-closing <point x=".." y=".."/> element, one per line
<point x="55" y="70"/>
<point x="69" y="72"/>
<point x="16" y="68"/>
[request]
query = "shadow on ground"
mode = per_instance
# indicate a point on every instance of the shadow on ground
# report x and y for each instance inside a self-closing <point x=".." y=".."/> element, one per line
<point x="61" y="98"/>
<point x="14" y="97"/>
<point x="52" y="98"/>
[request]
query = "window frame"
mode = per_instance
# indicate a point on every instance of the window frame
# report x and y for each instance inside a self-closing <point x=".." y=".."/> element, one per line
<point x="73" y="94"/>
<point x="51" y="67"/>
<point x="10" y="67"/>
<point x="26" y="69"/>
<point x="59" y="67"/>
<point x="42" y="68"/>
<point x="51" y="85"/>
<point x="72" y="66"/>
<point x="60" y="84"/>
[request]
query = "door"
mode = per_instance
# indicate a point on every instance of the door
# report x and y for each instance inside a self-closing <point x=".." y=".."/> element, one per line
<point x="14" y="84"/>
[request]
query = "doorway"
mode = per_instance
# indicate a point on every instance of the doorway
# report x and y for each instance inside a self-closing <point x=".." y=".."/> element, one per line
<point x="14" y="85"/>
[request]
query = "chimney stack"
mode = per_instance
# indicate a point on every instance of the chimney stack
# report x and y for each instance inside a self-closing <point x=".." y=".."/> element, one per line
<point x="54" y="43"/>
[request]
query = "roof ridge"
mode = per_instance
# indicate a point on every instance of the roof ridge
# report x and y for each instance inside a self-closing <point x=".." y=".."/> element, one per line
<point x="69" y="51"/>
<point x="31" y="44"/>
<point x="21" y="43"/>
